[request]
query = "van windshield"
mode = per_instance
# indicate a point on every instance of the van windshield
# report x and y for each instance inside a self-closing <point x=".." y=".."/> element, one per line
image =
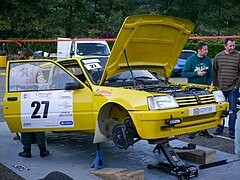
<point x="89" y="49"/>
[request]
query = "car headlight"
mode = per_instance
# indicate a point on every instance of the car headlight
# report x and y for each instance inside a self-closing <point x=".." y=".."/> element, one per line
<point x="219" y="97"/>
<point x="161" y="102"/>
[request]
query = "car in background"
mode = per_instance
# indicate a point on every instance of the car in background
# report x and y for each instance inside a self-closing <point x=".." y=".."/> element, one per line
<point x="177" y="71"/>
<point x="67" y="48"/>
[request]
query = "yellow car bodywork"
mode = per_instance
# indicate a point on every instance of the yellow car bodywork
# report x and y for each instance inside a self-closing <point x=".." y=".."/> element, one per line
<point x="147" y="42"/>
<point x="102" y="103"/>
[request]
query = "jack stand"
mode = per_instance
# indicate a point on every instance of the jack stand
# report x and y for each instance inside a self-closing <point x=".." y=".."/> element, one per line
<point x="98" y="162"/>
<point x="175" y="165"/>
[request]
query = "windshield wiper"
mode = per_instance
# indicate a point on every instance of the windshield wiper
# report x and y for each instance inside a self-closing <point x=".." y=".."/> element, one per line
<point x="117" y="79"/>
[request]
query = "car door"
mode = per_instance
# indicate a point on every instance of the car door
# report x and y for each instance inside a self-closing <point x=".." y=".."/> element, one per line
<point x="58" y="102"/>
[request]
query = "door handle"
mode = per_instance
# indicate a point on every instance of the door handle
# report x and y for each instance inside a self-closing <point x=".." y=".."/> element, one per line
<point x="12" y="98"/>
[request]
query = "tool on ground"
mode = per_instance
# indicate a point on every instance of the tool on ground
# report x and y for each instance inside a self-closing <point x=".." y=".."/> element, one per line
<point x="218" y="163"/>
<point x="174" y="165"/>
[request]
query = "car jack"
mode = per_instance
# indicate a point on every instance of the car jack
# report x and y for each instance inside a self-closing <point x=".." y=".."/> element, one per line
<point x="175" y="165"/>
<point x="98" y="162"/>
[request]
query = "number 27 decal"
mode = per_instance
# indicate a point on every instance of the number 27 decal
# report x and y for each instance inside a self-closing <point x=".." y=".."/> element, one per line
<point x="37" y="106"/>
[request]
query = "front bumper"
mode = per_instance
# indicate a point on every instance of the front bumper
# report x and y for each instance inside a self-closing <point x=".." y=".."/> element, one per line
<point x="152" y="124"/>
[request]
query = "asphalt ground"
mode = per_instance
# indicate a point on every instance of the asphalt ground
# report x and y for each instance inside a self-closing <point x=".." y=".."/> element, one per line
<point x="223" y="144"/>
<point x="73" y="154"/>
<point x="5" y="173"/>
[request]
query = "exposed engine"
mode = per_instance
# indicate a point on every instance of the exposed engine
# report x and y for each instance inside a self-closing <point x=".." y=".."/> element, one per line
<point x="176" y="90"/>
<point x="185" y="95"/>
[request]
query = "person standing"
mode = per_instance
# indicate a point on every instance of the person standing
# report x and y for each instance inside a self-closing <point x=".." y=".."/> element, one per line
<point x="198" y="70"/>
<point x="27" y="74"/>
<point x="226" y="76"/>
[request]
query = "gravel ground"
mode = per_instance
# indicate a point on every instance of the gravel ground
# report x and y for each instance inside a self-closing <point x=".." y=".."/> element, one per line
<point x="7" y="174"/>
<point x="221" y="143"/>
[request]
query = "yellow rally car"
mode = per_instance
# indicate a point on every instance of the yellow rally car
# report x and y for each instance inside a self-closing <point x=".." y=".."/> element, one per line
<point x="124" y="97"/>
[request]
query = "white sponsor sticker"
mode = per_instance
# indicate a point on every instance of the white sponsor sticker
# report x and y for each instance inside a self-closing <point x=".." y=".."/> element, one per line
<point x="201" y="110"/>
<point x="90" y="61"/>
<point x="93" y="66"/>
<point x="47" y="109"/>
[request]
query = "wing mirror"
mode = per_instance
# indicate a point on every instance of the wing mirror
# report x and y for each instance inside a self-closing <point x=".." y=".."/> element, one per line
<point x="73" y="86"/>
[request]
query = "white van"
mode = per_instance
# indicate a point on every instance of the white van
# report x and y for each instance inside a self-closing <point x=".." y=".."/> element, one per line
<point x="68" y="47"/>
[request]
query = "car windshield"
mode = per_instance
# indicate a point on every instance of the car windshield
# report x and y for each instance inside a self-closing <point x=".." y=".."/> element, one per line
<point x="186" y="54"/>
<point x="88" y="49"/>
<point x="126" y="76"/>
<point x="138" y="77"/>
<point x="95" y="67"/>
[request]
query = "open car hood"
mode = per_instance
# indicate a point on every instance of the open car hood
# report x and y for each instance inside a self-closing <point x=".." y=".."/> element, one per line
<point x="151" y="42"/>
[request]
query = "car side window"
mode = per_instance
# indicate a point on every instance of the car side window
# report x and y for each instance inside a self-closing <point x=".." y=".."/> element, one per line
<point x="74" y="67"/>
<point x="60" y="78"/>
<point x="26" y="76"/>
<point x="77" y="71"/>
<point x="37" y="76"/>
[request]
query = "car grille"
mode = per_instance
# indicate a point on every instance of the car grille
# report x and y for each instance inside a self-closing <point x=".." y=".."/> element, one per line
<point x="195" y="100"/>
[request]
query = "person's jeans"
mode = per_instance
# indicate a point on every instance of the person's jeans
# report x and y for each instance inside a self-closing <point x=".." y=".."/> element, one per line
<point x="232" y="97"/>
<point x="26" y="140"/>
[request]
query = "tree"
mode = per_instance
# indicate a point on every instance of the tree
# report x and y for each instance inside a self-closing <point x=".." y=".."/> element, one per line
<point x="103" y="18"/>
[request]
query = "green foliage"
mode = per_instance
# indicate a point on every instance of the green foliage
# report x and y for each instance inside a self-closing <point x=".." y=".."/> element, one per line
<point x="214" y="46"/>
<point x="95" y="18"/>
<point x="44" y="19"/>
<point x="213" y="49"/>
<point x="110" y="44"/>
<point x="191" y="46"/>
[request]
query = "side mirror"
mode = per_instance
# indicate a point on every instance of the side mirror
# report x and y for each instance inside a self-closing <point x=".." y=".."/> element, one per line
<point x="73" y="86"/>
